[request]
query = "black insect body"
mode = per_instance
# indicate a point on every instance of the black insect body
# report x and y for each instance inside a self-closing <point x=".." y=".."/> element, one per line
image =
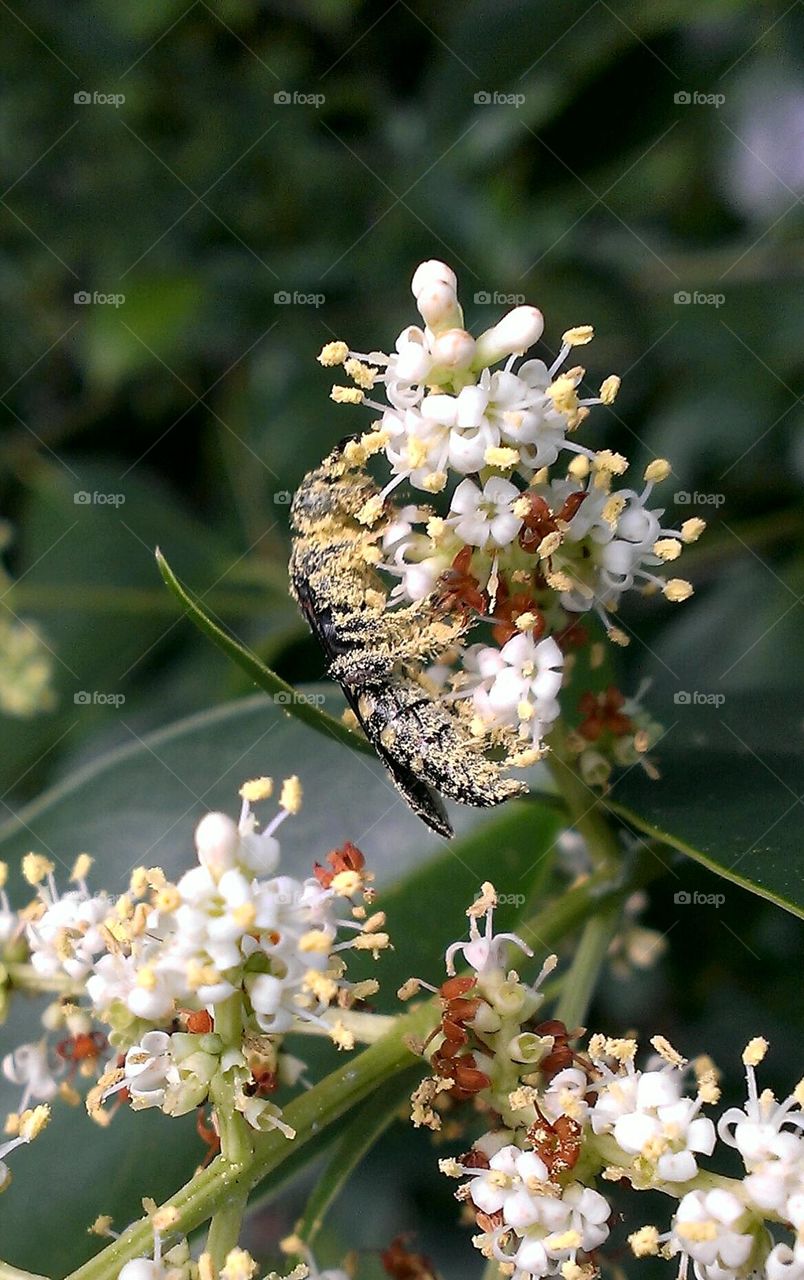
<point x="378" y="655"/>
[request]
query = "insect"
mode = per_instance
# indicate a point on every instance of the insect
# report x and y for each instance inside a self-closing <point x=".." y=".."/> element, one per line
<point x="83" y="1050"/>
<point x="379" y="655"/>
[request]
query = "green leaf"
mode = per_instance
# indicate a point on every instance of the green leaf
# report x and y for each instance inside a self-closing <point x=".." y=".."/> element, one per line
<point x="730" y="792"/>
<point x="283" y="693"/>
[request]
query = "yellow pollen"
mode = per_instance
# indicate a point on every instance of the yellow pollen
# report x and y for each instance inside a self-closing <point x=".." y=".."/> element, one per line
<point x="167" y="899"/>
<point x="256" y="789"/>
<point x="138" y="885"/>
<point x="548" y="545"/>
<point x="755" y="1051"/>
<point x="609" y="388"/>
<point x="290" y="797"/>
<point x="3" y="874"/>
<point x="342" y="1037"/>
<point x="33" y="1122"/>
<point x="239" y="1265"/>
<point x="81" y="868"/>
<point x="579" y="336"/>
<point x="613" y="509"/>
<point x="315" y="940"/>
<point x="333" y="353"/>
<point x="371" y="510"/>
<point x="667" y="548"/>
<point x="346" y="395"/>
<point x="501" y="457"/>
<point x="609" y="463"/>
<point x="645" y="1242"/>
<point x="677" y="589"/>
<point x="417" y="451"/>
<point x="578" y="469"/>
<point x="347" y="883"/>
<point x="361" y="373"/>
<point x="665" y="1050"/>
<point x="36" y="868"/>
<point x="435" y="482"/>
<point x="657" y="471"/>
<point x="526" y="622"/>
<point x="691" y="530"/>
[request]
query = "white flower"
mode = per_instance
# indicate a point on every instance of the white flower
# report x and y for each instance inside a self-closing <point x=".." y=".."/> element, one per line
<point x="708" y="1226"/>
<point x="518" y="684"/>
<point x="485" y="952"/>
<point x="68" y="937"/>
<point x="483" y="516"/>
<point x="768" y="1136"/>
<point x="647" y="1115"/>
<point x="30" y="1065"/>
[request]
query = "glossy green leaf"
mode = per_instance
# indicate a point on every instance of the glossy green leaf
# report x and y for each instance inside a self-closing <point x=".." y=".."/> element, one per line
<point x="730" y="791"/>
<point x="283" y="693"/>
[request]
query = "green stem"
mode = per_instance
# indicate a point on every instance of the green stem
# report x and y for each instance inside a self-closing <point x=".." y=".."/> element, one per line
<point x="308" y="1114"/>
<point x="587" y="963"/>
<point x="232" y="1127"/>
<point x="586" y="808"/>
<point x="224" y="1229"/>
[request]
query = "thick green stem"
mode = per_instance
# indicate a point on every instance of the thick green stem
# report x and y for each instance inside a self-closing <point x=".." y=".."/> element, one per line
<point x="587" y="963"/>
<point x="233" y="1130"/>
<point x="235" y="1135"/>
<point x="224" y="1229"/>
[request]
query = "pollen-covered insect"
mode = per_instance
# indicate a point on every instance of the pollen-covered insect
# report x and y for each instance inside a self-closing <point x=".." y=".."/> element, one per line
<point x="379" y="655"/>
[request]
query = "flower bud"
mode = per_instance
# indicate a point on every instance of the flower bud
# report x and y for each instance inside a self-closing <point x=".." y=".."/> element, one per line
<point x="453" y="349"/>
<point x="217" y="841"/>
<point x="528" y="1047"/>
<point x="432" y="272"/>
<point x="511" y="336"/>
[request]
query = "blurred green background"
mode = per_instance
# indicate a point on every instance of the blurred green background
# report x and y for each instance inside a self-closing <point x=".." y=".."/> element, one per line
<point x="197" y="196"/>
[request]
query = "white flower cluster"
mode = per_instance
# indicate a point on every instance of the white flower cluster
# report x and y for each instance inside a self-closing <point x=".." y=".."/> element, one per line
<point x="569" y="1119"/>
<point x="154" y="966"/>
<point x="514" y="545"/>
